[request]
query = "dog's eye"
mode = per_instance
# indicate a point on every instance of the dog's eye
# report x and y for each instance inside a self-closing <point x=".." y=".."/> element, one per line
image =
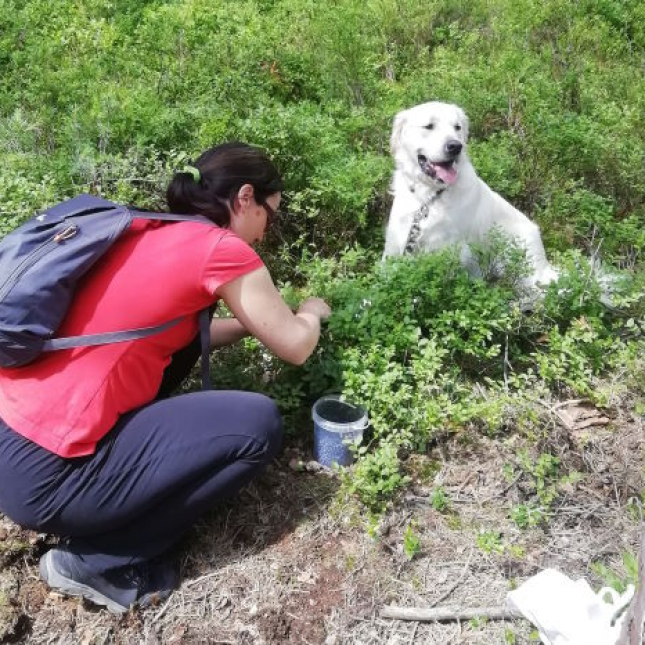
<point x="430" y="126"/>
<point x="457" y="127"/>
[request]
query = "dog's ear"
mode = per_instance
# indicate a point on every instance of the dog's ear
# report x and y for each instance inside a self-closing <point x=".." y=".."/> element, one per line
<point x="465" y="123"/>
<point x="399" y="122"/>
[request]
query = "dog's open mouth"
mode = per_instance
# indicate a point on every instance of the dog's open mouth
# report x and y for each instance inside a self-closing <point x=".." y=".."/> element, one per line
<point x="444" y="171"/>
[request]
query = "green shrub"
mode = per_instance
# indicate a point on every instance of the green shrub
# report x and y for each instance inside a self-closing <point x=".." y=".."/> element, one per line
<point x="112" y="96"/>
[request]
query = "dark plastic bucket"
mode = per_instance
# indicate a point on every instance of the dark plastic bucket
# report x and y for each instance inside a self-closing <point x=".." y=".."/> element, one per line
<point x="337" y="424"/>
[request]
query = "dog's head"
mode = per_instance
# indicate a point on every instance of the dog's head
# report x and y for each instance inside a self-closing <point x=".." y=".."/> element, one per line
<point x="429" y="141"/>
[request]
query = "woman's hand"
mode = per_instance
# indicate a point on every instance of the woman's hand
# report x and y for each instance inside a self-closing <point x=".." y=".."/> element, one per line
<point x="315" y="306"/>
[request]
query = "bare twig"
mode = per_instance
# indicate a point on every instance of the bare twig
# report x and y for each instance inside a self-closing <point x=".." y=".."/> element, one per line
<point x="506" y="364"/>
<point x="490" y="498"/>
<point x="564" y="404"/>
<point x="471" y="475"/>
<point x="442" y="614"/>
<point x="593" y="262"/>
<point x="162" y="611"/>
<point x="208" y="576"/>
<point x="561" y="404"/>
<point x="464" y="573"/>
<point x="632" y="628"/>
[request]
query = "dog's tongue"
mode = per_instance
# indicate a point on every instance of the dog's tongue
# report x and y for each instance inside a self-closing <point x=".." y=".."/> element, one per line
<point x="447" y="174"/>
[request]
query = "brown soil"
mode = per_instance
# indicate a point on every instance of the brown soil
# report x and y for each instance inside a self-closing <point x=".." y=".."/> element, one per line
<point x="290" y="562"/>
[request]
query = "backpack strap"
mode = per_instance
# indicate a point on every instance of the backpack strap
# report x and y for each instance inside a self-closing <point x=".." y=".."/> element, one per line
<point x="171" y="217"/>
<point x="205" y="335"/>
<point x="109" y="337"/>
<point x="92" y="340"/>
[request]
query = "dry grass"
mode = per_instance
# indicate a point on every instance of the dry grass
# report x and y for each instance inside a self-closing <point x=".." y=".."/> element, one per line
<point x="288" y="562"/>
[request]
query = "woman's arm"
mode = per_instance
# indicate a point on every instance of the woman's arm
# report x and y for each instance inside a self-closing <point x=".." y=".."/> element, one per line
<point x="259" y="307"/>
<point x="226" y="331"/>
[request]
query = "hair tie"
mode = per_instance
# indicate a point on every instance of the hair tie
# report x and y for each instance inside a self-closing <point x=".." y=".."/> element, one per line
<point x="191" y="170"/>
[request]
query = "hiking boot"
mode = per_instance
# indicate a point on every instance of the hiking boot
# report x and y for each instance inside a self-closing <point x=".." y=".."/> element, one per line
<point x="117" y="589"/>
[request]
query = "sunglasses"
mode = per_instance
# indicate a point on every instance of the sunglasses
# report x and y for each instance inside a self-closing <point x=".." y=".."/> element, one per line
<point x="271" y="212"/>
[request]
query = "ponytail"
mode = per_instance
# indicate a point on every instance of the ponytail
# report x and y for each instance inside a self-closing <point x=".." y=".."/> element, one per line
<point x="209" y="186"/>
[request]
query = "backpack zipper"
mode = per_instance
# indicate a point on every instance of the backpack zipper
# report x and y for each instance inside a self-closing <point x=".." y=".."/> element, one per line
<point x="70" y="231"/>
<point x="34" y="256"/>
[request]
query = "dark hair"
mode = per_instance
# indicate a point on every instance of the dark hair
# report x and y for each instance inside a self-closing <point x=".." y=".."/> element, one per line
<point x="223" y="170"/>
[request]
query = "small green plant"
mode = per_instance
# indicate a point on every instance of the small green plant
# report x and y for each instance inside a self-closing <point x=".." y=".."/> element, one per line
<point x="543" y="476"/>
<point x="411" y="544"/>
<point x="375" y="477"/>
<point x="516" y="551"/>
<point x="509" y="636"/>
<point x="478" y="622"/>
<point x="439" y="499"/>
<point x="527" y="515"/>
<point x="490" y="541"/>
<point x="612" y="579"/>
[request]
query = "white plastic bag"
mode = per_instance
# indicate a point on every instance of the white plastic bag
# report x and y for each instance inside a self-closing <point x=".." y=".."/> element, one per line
<point x="567" y="612"/>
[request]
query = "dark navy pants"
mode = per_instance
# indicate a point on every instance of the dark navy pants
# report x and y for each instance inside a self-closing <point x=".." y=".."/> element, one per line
<point x="157" y="471"/>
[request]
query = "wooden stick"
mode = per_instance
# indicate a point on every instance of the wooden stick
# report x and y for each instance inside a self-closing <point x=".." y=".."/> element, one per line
<point x="442" y="614"/>
<point x="631" y="632"/>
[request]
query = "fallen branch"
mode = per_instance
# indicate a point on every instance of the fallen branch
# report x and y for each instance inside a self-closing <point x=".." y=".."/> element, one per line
<point x="441" y="614"/>
<point x="632" y="628"/>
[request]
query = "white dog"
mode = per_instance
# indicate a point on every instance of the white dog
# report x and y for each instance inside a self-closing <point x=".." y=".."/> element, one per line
<point x="438" y="198"/>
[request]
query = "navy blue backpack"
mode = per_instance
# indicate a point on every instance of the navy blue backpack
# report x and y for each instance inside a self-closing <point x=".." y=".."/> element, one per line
<point x="41" y="263"/>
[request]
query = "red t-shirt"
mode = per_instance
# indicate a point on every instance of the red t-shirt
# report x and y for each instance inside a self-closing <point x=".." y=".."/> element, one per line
<point x="68" y="399"/>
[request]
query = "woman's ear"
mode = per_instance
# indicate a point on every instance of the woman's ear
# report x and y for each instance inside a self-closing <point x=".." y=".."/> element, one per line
<point x="244" y="196"/>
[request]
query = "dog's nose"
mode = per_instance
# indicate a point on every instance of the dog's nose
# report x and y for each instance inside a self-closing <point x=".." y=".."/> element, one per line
<point x="453" y="147"/>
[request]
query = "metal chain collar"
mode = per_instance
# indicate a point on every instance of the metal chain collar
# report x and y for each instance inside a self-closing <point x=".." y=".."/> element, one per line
<point x="419" y="216"/>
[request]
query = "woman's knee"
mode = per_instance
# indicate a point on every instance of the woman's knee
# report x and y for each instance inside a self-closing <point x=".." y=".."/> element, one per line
<point x="269" y="426"/>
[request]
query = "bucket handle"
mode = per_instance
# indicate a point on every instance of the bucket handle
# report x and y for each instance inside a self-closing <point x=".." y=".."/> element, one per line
<point x="365" y="424"/>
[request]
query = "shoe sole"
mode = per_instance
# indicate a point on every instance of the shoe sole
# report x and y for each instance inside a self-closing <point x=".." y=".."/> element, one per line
<point x="70" y="587"/>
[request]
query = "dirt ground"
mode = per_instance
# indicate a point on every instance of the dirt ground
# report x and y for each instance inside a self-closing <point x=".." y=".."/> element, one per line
<point x="290" y="562"/>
